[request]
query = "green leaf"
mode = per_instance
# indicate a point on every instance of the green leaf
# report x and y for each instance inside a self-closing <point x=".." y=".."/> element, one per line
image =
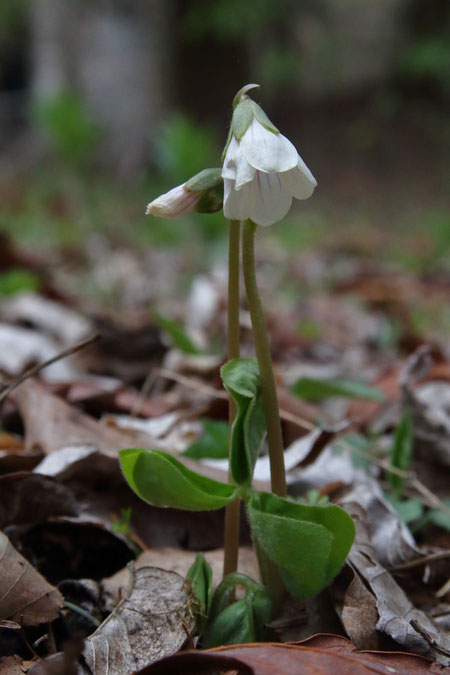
<point x="161" y="480"/>
<point x="234" y="625"/>
<point x="408" y="510"/>
<point x="309" y="544"/>
<point x="200" y="576"/>
<point x="311" y="389"/>
<point x="401" y="453"/>
<point x="178" y="336"/>
<point x="213" y="444"/>
<point x="241" y="378"/>
<point x="242" y="117"/>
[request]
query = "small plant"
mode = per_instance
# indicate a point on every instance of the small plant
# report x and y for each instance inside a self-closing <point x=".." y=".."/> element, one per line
<point x="300" y="546"/>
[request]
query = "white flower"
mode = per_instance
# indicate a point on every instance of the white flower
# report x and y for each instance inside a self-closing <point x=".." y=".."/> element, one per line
<point x="262" y="172"/>
<point x="177" y="202"/>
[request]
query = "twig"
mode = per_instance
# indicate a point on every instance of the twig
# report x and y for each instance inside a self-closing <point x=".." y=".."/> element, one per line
<point x="428" y="637"/>
<point x="34" y="370"/>
<point x="217" y="393"/>
<point x="439" y="555"/>
<point x="191" y="384"/>
<point x="428" y="498"/>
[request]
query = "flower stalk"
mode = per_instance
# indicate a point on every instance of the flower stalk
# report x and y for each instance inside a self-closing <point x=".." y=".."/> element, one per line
<point x="269" y="392"/>
<point x="233" y="509"/>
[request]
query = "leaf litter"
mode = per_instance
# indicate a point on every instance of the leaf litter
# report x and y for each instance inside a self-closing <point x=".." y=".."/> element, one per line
<point x="134" y="387"/>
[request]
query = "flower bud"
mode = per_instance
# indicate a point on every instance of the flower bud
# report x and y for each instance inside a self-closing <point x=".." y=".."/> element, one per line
<point x="202" y="193"/>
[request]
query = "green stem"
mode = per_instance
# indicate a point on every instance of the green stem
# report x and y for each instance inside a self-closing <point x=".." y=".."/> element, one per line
<point x="269" y="392"/>
<point x="233" y="509"/>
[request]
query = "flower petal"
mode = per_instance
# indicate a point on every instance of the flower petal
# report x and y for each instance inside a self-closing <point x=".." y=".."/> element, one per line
<point x="299" y="181"/>
<point x="266" y="151"/>
<point x="267" y="202"/>
<point x="231" y="160"/>
<point x="174" y="203"/>
<point x="233" y="201"/>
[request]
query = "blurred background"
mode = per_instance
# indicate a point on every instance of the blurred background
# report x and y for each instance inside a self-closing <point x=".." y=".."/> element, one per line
<point x="104" y="104"/>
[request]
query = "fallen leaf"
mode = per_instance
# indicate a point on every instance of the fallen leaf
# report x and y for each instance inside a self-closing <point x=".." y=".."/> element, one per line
<point x="28" y="499"/>
<point x="51" y="318"/>
<point x="395" y="610"/>
<point x="321" y="655"/>
<point x="429" y="407"/>
<point x="179" y="561"/>
<point x="359" y="614"/>
<point x="11" y="665"/>
<point x="151" y="622"/>
<point x="389" y="536"/>
<point x="25" y="596"/>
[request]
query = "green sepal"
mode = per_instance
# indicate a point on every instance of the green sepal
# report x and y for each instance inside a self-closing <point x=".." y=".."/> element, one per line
<point x="401" y="453"/>
<point x="204" y="180"/>
<point x="211" y="200"/>
<point x="242" y="117"/>
<point x="241" y="378"/>
<point x="243" y="92"/>
<point x="200" y="577"/>
<point x="161" y="480"/>
<point x="263" y="119"/>
<point x="309" y="544"/>
<point x="229" y="137"/>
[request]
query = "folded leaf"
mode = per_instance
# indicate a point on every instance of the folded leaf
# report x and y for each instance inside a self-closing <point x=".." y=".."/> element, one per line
<point x="309" y="544"/>
<point x="241" y="378"/>
<point x="161" y="480"/>
<point x="200" y="576"/>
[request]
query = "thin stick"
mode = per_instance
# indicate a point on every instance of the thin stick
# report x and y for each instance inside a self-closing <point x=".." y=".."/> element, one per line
<point x="205" y="389"/>
<point x="233" y="509"/>
<point x="34" y="370"/>
<point x="269" y="392"/>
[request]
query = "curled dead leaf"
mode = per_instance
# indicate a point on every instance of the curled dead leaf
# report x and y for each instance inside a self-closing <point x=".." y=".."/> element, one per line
<point x="25" y="596"/>
<point x="151" y="622"/>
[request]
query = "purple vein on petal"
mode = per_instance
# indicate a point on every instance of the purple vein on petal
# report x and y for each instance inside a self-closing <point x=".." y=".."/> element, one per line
<point x="258" y="178"/>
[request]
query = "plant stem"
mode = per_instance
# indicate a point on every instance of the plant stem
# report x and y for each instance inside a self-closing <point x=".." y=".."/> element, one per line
<point x="233" y="509"/>
<point x="269" y="392"/>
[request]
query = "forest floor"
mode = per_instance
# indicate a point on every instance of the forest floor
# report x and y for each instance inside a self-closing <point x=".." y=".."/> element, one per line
<point x="356" y="303"/>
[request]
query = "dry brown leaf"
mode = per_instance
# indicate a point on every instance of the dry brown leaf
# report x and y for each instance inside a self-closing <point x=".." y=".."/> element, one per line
<point x="25" y="596"/>
<point x="151" y="622"/>
<point x="11" y="665"/>
<point x="27" y="499"/>
<point x="428" y="404"/>
<point x="179" y="560"/>
<point x="65" y="425"/>
<point x="396" y="612"/>
<point x="321" y="655"/>
<point x="359" y="615"/>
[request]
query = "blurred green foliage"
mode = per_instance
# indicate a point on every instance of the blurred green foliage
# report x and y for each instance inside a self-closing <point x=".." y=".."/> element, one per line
<point x="69" y="127"/>
<point x="17" y="280"/>
<point x="183" y="148"/>
<point x="13" y="14"/>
